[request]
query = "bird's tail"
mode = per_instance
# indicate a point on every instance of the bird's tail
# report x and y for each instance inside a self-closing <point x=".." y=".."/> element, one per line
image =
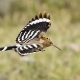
<point x="7" y="48"/>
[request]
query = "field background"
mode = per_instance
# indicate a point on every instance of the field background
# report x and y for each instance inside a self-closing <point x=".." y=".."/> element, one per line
<point x="64" y="32"/>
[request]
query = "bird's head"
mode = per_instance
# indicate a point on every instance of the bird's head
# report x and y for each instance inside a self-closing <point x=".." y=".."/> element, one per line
<point x="48" y="43"/>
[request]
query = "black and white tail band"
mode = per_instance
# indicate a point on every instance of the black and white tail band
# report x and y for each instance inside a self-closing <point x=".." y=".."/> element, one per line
<point x="7" y="48"/>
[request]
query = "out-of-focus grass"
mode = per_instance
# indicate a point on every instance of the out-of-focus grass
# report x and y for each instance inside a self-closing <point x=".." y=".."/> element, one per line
<point x="51" y="64"/>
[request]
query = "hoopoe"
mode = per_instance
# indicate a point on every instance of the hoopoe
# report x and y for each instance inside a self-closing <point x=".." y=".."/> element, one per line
<point x="28" y="40"/>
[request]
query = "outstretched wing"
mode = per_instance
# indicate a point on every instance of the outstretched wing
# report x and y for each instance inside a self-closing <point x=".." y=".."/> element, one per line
<point x="28" y="49"/>
<point x="35" y="28"/>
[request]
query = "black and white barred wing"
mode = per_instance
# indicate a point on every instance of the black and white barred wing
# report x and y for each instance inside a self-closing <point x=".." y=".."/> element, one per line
<point x="24" y="49"/>
<point x="28" y="49"/>
<point x="35" y="28"/>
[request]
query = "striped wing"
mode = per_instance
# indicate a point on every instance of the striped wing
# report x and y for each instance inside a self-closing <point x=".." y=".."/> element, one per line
<point x="34" y="28"/>
<point x="28" y="49"/>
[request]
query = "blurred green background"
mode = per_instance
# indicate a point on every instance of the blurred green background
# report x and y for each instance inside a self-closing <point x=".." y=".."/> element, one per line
<point x="64" y="32"/>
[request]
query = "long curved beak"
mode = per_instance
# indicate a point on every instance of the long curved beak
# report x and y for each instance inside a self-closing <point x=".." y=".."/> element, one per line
<point x="57" y="47"/>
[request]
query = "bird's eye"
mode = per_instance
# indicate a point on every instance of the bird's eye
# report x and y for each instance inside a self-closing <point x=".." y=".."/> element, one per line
<point x="50" y="42"/>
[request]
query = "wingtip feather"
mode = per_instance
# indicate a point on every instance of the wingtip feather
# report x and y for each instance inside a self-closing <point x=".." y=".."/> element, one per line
<point x="44" y="14"/>
<point x="48" y="16"/>
<point x="36" y="17"/>
<point x="40" y="15"/>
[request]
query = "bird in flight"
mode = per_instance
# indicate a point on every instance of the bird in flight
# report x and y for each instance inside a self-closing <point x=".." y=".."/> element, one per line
<point x="29" y="39"/>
